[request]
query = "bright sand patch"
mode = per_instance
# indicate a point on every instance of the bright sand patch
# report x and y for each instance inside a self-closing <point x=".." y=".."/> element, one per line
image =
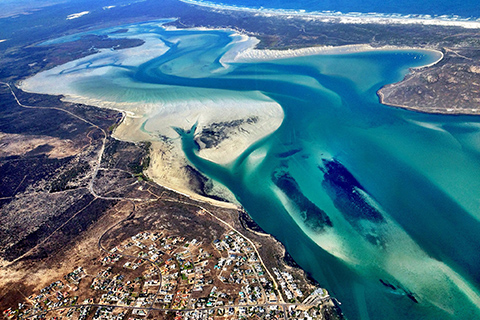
<point x="19" y="145"/>
<point x="251" y="54"/>
<point x="77" y="15"/>
<point x="231" y="113"/>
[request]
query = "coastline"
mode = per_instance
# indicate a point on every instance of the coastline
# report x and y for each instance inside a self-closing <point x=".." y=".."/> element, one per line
<point x="450" y="112"/>
<point x="347" y="18"/>
<point x="254" y="55"/>
<point x="179" y="188"/>
<point x="175" y="161"/>
<point x="168" y="163"/>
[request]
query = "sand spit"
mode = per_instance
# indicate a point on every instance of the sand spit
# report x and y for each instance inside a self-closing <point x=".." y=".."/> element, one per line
<point x="168" y="169"/>
<point x="255" y="55"/>
<point x="251" y="55"/>
<point x="168" y="165"/>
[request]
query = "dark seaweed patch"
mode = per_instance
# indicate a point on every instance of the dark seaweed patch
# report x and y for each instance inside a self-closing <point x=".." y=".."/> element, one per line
<point x="288" y="153"/>
<point x="313" y="216"/>
<point x="406" y="292"/>
<point x="388" y="284"/>
<point x="343" y="188"/>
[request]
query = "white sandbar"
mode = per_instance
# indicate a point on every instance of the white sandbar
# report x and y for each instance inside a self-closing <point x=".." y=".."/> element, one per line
<point x="77" y="15"/>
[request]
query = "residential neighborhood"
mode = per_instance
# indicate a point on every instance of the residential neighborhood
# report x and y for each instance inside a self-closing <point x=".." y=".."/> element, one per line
<point x="161" y="275"/>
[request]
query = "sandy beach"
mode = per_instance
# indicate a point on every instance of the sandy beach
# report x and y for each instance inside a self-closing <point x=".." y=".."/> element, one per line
<point x="234" y="120"/>
<point x="255" y="55"/>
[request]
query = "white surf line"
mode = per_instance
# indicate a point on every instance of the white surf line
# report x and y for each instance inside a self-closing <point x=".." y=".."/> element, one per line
<point x="347" y="18"/>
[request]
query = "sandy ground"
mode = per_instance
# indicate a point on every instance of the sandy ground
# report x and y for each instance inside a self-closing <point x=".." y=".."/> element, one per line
<point x="18" y="145"/>
<point x="167" y="168"/>
<point x="167" y="162"/>
<point x="41" y="274"/>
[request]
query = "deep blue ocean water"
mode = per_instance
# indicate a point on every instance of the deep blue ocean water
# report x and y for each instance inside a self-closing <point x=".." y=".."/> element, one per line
<point x="379" y="205"/>
<point x="464" y="9"/>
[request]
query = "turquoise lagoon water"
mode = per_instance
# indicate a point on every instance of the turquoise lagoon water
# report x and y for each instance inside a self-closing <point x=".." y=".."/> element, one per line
<point x="380" y="205"/>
